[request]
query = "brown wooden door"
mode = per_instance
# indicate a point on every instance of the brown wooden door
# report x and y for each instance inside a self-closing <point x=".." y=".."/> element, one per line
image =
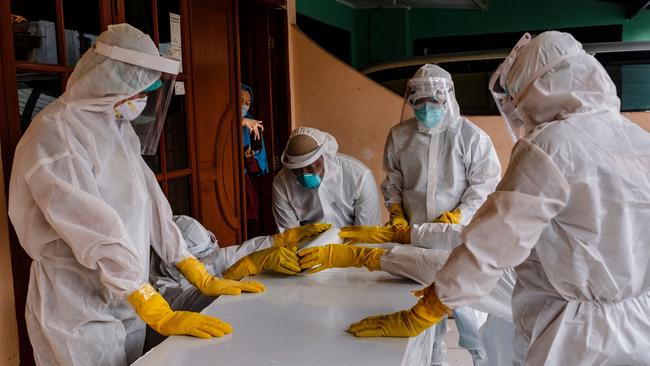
<point x="215" y="91"/>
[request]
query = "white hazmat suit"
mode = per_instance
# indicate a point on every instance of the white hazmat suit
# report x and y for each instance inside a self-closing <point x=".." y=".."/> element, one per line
<point x="571" y="213"/>
<point x="347" y="195"/>
<point x="430" y="171"/>
<point x="87" y="209"/>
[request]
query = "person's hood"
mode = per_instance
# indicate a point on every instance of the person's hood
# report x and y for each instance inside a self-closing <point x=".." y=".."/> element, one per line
<point x="553" y="78"/>
<point x="452" y="110"/>
<point x="99" y="82"/>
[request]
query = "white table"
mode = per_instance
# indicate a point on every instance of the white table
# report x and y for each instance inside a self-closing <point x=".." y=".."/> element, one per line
<point x="301" y="320"/>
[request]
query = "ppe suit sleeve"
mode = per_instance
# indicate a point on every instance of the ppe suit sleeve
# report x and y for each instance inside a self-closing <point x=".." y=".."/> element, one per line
<point x="366" y="207"/>
<point x="483" y="172"/>
<point x="283" y="212"/>
<point x="436" y="235"/>
<point x="421" y="265"/>
<point x="505" y="229"/>
<point x="392" y="186"/>
<point x="66" y="191"/>
<point x="166" y="237"/>
<point x="417" y="264"/>
<point x="218" y="262"/>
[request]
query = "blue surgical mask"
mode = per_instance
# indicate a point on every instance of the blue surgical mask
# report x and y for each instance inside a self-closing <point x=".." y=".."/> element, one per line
<point x="429" y="116"/>
<point x="244" y="111"/>
<point x="309" y="180"/>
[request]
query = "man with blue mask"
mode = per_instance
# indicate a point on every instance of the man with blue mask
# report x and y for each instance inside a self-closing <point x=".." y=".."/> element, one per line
<point x="318" y="184"/>
<point x="440" y="168"/>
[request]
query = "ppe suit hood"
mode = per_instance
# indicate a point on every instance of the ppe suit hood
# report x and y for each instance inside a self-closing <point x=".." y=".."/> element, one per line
<point x="100" y="81"/>
<point x="452" y="110"/>
<point x="554" y="78"/>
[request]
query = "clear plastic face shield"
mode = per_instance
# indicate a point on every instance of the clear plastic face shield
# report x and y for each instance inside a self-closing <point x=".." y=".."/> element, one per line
<point x="504" y="100"/>
<point x="427" y="100"/>
<point x="147" y="109"/>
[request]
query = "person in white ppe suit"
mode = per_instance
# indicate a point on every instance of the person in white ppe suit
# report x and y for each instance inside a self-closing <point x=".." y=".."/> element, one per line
<point x="440" y="168"/>
<point x="272" y="252"/>
<point x="318" y="184"/>
<point x="570" y="215"/>
<point x="87" y="210"/>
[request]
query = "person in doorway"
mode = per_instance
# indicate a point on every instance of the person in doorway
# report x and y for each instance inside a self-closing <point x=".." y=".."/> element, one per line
<point x="318" y="184"/>
<point x="440" y="168"/>
<point x="88" y="210"/>
<point x="255" y="161"/>
<point x="570" y="215"/>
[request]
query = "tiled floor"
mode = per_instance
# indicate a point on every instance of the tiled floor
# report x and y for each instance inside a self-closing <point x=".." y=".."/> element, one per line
<point x="456" y="356"/>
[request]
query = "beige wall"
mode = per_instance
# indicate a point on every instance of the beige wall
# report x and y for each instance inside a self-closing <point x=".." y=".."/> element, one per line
<point x="8" y="330"/>
<point x="333" y="97"/>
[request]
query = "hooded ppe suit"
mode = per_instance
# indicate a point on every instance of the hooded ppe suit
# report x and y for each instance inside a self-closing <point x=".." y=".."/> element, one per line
<point x="430" y="171"/>
<point x="571" y="214"/>
<point x="87" y="210"/>
<point x="347" y="195"/>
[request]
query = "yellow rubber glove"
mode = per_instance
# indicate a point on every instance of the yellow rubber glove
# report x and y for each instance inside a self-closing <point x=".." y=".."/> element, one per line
<point x="340" y="256"/>
<point x="152" y="308"/>
<point x="198" y="275"/>
<point x="449" y="217"/>
<point x="396" y="214"/>
<point x="376" y="234"/>
<point x="407" y="323"/>
<point x="278" y="259"/>
<point x="291" y="237"/>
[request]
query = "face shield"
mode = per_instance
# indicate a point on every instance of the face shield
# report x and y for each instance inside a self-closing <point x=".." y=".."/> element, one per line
<point x="505" y="102"/>
<point x="427" y="100"/>
<point x="147" y="109"/>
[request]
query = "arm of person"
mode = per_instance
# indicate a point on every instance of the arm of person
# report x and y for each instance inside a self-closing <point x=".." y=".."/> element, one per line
<point x="392" y="186"/>
<point x="166" y="239"/>
<point x="506" y="228"/>
<point x="421" y="265"/>
<point x="366" y="207"/>
<point x="483" y="172"/>
<point x="67" y="193"/>
<point x="284" y="214"/>
<point x="220" y="260"/>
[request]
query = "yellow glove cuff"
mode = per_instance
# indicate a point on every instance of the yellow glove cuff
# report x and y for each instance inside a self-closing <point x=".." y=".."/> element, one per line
<point x="150" y="306"/>
<point x="194" y="271"/>
<point x="430" y="308"/>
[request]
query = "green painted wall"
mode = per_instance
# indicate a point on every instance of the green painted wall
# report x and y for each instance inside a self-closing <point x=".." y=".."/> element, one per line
<point x="388" y="34"/>
<point x="337" y="15"/>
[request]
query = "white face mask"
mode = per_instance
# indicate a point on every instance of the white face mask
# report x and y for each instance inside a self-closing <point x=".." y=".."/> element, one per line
<point x="131" y="109"/>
